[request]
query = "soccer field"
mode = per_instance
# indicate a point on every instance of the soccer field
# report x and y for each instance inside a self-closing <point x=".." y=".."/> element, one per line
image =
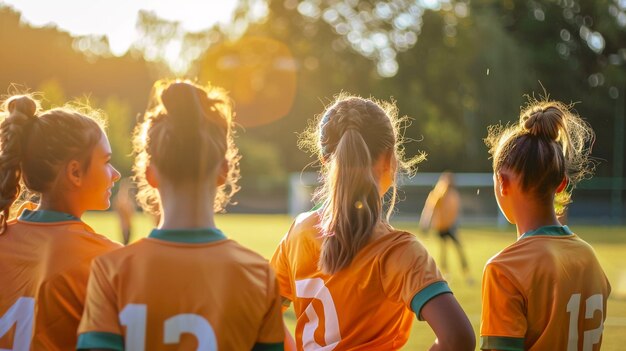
<point x="263" y="232"/>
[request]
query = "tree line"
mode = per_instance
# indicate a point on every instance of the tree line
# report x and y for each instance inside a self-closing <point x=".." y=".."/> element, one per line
<point x="455" y="68"/>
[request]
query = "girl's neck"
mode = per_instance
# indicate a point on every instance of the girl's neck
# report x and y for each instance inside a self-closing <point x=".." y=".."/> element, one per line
<point x="187" y="205"/>
<point x="50" y="202"/>
<point x="535" y="216"/>
<point x="381" y="229"/>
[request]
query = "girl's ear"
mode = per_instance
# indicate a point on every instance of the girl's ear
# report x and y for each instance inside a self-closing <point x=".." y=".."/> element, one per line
<point x="504" y="182"/>
<point x="152" y="176"/>
<point x="222" y="172"/>
<point x="385" y="163"/>
<point x="390" y="160"/>
<point x="74" y="173"/>
<point x="562" y="186"/>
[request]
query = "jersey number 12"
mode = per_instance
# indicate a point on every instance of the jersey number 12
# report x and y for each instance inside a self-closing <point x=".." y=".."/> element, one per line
<point x="590" y="337"/>
<point x="134" y="317"/>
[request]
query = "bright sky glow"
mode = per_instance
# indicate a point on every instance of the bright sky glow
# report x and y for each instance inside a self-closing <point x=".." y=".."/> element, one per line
<point x="116" y="18"/>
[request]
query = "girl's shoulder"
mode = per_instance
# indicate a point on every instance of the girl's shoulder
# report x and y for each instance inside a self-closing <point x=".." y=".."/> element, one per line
<point x="399" y="242"/>
<point x="60" y="233"/>
<point x="306" y="225"/>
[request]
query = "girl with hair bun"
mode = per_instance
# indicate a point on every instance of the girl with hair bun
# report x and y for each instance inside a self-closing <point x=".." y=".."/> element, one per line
<point x="186" y="286"/>
<point x="356" y="282"/>
<point x="62" y="158"/>
<point x="547" y="290"/>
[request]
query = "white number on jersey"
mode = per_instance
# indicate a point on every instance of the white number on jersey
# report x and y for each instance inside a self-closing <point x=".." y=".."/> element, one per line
<point x="22" y="314"/>
<point x="134" y="317"/>
<point x="590" y="337"/>
<point x="193" y="324"/>
<point x="315" y="289"/>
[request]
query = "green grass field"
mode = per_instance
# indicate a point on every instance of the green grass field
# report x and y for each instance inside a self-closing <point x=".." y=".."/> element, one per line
<point x="263" y="232"/>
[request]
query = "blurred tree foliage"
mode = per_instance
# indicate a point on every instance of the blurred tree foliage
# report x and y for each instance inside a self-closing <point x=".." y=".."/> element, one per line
<point x="262" y="170"/>
<point x="453" y="66"/>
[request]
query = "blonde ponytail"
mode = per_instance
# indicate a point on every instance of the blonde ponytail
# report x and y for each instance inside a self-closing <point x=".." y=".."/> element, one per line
<point x="14" y="131"/>
<point x="353" y="206"/>
<point x="349" y="138"/>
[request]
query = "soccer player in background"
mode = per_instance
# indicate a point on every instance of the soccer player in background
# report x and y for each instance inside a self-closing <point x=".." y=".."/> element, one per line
<point x="62" y="158"/>
<point x="355" y="281"/>
<point x="186" y="286"/>
<point x="547" y="290"/>
<point x="441" y="212"/>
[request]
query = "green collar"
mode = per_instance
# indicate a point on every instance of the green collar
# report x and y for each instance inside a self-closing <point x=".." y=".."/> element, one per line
<point x="549" y="230"/>
<point x="46" y="216"/>
<point x="317" y="207"/>
<point x="188" y="236"/>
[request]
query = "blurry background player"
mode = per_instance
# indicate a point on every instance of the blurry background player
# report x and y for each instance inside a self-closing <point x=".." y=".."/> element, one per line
<point x="441" y="212"/>
<point x="125" y="208"/>
<point x="354" y="280"/>
<point x="547" y="290"/>
<point x="186" y="286"/>
<point x="63" y="157"/>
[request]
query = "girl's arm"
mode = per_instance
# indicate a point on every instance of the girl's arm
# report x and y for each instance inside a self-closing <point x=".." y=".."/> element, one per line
<point x="427" y="211"/>
<point x="450" y="324"/>
<point x="290" y="343"/>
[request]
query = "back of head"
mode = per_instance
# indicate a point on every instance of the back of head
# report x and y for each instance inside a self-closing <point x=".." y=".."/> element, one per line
<point x="35" y="145"/>
<point x="349" y="137"/>
<point x="445" y="182"/>
<point x="186" y="134"/>
<point x="550" y="143"/>
<point x="447" y="178"/>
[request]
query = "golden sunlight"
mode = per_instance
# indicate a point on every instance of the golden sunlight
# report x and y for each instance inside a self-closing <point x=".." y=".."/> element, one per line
<point x="259" y="73"/>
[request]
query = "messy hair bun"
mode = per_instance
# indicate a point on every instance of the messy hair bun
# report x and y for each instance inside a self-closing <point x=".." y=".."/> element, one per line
<point x="550" y="143"/>
<point x="186" y="134"/>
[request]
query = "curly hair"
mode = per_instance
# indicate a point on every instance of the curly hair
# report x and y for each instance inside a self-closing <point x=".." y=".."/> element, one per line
<point x="186" y="134"/>
<point x="34" y="145"/>
<point x="549" y="143"/>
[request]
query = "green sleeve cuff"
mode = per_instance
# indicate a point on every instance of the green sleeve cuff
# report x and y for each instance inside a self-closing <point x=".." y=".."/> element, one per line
<point x="259" y="346"/>
<point x="423" y="296"/>
<point x="100" y="340"/>
<point x="503" y="343"/>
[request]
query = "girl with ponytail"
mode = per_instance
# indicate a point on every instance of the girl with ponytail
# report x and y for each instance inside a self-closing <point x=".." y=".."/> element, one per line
<point x="61" y="157"/>
<point x="355" y="281"/>
<point x="547" y="290"/>
<point x="186" y="286"/>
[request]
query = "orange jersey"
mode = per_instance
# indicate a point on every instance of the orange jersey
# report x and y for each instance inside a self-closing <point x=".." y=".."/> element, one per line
<point x="370" y="305"/>
<point x="546" y="291"/>
<point x="44" y="266"/>
<point x="182" y="290"/>
<point x="445" y="208"/>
